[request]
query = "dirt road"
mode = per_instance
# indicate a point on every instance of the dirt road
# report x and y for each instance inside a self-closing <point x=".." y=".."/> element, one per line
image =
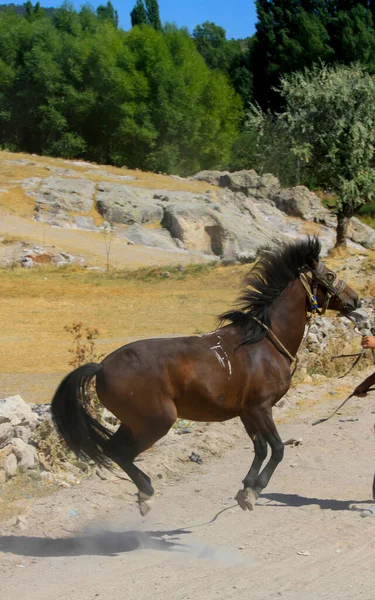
<point x="305" y="540"/>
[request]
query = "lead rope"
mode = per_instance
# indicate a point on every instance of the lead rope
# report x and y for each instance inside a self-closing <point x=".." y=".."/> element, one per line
<point x="314" y="312"/>
<point x="275" y="339"/>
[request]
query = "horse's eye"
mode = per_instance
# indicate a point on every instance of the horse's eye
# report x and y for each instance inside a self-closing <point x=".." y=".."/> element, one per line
<point x="330" y="277"/>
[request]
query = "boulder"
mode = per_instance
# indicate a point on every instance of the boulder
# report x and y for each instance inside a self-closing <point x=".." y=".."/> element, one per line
<point x="211" y="177"/>
<point x="156" y="238"/>
<point x="231" y="228"/>
<point x="247" y="182"/>
<point x="15" y="411"/>
<point x="10" y="465"/>
<point x="127" y="205"/>
<point x="70" y="194"/>
<point x="26" y="455"/>
<point x="361" y="233"/>
<point x="196" y="226"/>
<point x="22" y="432"/>
<point x="250" y="183"/>
<point x="298" y="202"/>
<point x="6" y="434"/>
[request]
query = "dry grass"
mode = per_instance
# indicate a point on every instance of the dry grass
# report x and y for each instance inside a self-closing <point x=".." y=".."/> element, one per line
<point x="10" y="240"/>
<point x="13" y="173"/>
<point x="17" y="202"/>
<point x="36" y="305"/>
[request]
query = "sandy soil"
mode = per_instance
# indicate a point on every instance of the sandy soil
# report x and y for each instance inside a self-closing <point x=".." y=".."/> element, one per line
<point x="305" y="540"/>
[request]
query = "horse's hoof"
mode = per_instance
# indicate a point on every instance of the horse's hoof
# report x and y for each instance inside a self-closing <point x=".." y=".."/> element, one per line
<point x="243" y="500"/>
<point x="247" y="498"/>
<point x="144" y="503"/>
<point x="251" y="497"/>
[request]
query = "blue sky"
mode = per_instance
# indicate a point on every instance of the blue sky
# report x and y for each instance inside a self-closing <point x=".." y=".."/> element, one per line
<point x="238" y="17"/>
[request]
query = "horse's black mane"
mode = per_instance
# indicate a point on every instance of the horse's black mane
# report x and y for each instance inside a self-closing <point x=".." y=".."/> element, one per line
<point x="274" y="270"/>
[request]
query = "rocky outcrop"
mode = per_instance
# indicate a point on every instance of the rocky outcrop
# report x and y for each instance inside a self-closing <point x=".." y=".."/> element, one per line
<point x="66" y="194"/>
<point x="299" y="202"/>
<point x="361" y="233"/>
<point x="245" y="212"/>
<point x="155" y="238"/>
<point x="127" y="205"/>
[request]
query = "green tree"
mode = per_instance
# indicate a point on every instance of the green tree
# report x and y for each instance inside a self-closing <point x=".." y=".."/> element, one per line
<point x="138" y="15"/>
<point x="153" y="14"/>
<point x="211" y="42"/>
<point x="146" y="12"/>
<point x="228" y="56"/>
<point x="108" y="12"/>
<point x="329" y="125"/>
<point x="289" y="36"/>
<point x="78" y="86"/>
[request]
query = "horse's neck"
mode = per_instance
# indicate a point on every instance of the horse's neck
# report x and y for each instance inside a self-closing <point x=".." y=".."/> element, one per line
<point x="288" y="316"/>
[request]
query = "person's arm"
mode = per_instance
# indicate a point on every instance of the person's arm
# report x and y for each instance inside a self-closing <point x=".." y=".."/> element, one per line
<point x="361" y="389"/>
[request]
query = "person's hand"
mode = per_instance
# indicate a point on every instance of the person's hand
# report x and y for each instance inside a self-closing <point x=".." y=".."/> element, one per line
<point x="368" y="341"/>
<point x="361" y="390"/>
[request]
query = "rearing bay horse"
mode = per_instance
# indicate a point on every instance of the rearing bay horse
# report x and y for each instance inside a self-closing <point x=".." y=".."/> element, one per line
<point x="240" y="370"/>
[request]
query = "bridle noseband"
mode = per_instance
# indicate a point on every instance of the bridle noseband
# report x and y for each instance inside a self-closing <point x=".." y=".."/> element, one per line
<point x="333" y="287"/>
<point x="329" y="280"/>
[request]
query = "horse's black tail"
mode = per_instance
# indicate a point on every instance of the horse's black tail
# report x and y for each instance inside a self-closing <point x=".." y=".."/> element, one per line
<point x="83" y="434"/>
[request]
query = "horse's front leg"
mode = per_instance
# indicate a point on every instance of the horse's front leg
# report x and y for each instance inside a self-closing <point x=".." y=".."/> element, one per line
<point x="254" y="481"/>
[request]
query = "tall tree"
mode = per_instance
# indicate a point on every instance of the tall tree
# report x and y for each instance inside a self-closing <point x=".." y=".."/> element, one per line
<point x="290" y="35"/>
<point x="138" y="15"/>
<point x="108" y="12"/>
<point x="153" y="14"/>
<point x="146" y="12"/>
<point x="228" y="56"/>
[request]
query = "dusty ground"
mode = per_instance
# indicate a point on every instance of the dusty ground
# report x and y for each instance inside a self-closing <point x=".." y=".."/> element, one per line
<point x="306" y="538"/>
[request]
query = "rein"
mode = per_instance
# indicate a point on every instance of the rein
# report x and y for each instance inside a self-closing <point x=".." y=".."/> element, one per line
<point x="334" y="287"/>
<point x="338" y="408"/>
<point x="274" y="338"/>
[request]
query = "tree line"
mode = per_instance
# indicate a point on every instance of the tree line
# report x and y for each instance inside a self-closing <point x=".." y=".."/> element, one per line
<point x="76" y="85"/>
<point x="295" y="99"/>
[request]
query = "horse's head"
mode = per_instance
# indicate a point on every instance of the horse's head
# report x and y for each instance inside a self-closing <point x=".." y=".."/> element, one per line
<point x="329" y="291"/>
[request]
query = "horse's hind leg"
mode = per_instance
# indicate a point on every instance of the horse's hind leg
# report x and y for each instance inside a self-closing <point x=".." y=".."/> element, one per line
<point x="124" y="447"/>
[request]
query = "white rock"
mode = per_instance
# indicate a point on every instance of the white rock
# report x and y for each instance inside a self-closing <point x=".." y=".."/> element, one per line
<point x="10" y="465"/>
<point x="22" y="432"/>
<point x="26" y="455"/>
<point x="15" y="411"/>
<point x="6" y="434"/>
<point x="312" y="338"/>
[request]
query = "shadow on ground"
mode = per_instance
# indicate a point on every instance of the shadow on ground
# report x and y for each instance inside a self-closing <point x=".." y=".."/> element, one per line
<point x="113" y="543"/>
<point x="294" y="500"/>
